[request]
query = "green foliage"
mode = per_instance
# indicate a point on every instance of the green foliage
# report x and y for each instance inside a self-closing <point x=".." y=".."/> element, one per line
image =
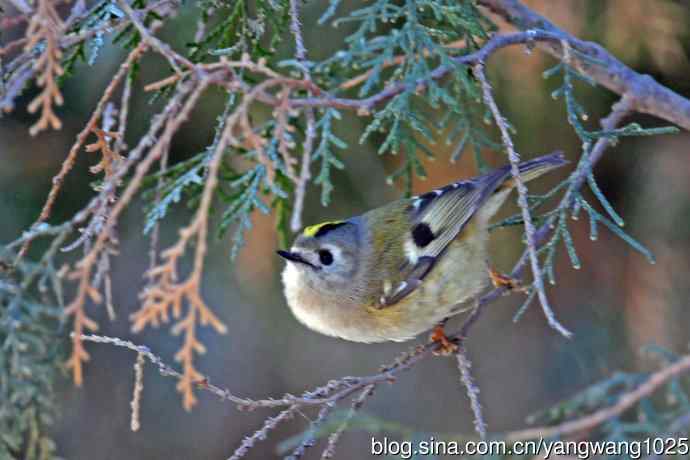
<point x="420" y="36"/>
<point x="325" y="155"/>
<point x="184" y="178"/>
<point x="243" y="198"/>
<point x="98" y="19"/>
<point x="239" y="30"/>
<point x="30" y="322"/>
<point x="574" y="199"/>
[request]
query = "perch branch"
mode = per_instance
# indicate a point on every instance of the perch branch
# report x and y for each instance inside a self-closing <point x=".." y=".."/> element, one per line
<point x="627" y="401"/>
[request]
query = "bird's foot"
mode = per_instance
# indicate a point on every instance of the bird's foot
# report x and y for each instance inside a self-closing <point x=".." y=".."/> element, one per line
<point x="446" y="346"/>
<point x="501" y="280"/>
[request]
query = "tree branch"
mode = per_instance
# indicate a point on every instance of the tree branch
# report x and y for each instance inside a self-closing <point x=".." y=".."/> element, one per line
<point x="649" y="96"/>
<point x="494" y="44"/>
<point x="628" y="400"/>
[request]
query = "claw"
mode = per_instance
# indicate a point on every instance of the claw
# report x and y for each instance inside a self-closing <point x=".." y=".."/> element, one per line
<point x="446" y="345"/>
<point x="201" y="383"/>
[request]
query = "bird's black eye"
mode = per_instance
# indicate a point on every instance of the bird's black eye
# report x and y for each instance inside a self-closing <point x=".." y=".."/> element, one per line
<point x="325" y="257"/>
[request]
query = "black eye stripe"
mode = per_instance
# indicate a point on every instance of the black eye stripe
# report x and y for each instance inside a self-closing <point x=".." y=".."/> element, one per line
<point x="327" y="228"/>
<point x="325" y="257"/>
<point x="422" y="234"/>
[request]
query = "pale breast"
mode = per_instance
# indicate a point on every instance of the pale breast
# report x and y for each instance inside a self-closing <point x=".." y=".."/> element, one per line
<point x="326" y="312"/>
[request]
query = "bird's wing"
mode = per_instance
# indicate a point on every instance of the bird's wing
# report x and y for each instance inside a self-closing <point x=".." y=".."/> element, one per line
<point x="436" y="219"/>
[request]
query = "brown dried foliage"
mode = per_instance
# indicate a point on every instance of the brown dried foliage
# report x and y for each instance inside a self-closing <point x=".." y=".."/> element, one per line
<point x="82" y="322"/>
<point x="45" y="29"/>
<point x="166" y="295"/>
<point x="109" y="158"/>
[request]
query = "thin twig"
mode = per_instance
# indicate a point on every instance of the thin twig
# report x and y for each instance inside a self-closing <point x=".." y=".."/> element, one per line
<point x="296" y="29"/>
<point x="309" y="437"/>
<point x="120" y="143"/>
<point x="332" y="392"/>
<point x="135" y="422"/>
<point x="305" y="173"/>
<point x="163" y="48"/>
<point x="310" y="133"/>
<point x="530" y="231"/>
<point x="465" y="366"/>
<point x="334" y="437"/>
<point x="259" y="435"/>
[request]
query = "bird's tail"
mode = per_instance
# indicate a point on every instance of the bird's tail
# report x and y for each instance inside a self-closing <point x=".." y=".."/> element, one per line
<point x="531" y="169"/>
<point x="497" y="184"/>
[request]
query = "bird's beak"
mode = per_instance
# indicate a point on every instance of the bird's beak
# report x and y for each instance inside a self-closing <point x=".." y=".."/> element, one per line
<point x="294" y="257"/>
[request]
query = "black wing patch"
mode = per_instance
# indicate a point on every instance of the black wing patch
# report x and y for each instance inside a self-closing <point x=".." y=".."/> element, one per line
<point x="436" y="219"/>
<point x="422" y="235"/>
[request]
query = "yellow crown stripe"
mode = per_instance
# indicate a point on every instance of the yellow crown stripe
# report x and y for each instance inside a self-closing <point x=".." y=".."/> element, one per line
<point x="313" y="229"/>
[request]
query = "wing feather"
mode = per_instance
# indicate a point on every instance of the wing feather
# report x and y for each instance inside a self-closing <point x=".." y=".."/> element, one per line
<point x="440" y="216"/>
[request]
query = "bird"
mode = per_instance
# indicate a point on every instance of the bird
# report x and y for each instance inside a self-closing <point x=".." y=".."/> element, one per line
<point x="401" y="269"/>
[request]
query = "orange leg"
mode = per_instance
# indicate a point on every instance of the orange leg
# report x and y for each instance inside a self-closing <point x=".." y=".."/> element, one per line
<point x="500" y="280"/>
<point x="446" y="345"/>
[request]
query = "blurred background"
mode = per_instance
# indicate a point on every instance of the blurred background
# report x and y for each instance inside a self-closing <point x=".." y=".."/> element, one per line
<point x="616" y="303"/>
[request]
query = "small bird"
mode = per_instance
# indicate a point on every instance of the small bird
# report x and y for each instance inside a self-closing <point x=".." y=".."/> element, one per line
<point x="401" y="269"/>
